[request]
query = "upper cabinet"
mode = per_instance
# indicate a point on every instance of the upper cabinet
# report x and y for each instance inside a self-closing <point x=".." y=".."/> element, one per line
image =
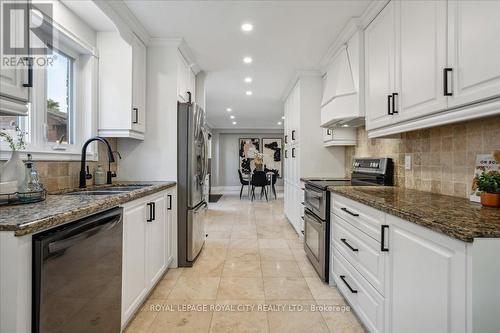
<point x="342" y="101"/>
<point x="15" y="82"/>
<point x="122" y="86"/>
<point x="429" y="63"/>
<point x="473" y="50"/>
<point x="185" y="79"/>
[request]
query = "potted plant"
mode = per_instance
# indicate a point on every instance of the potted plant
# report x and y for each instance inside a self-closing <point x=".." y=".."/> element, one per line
<point x="488" y="182"/>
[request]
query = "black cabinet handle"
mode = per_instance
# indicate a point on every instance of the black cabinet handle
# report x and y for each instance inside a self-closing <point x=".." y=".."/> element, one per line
<point x="293" y="135"/>
<point x="445" y="81"/>
<point x="389" y="104"/>
<point x="286" y="153"/>
<point x="150" y="205"/>
<point x="293" y="152"/>
<point x="354" y="291"/>
<point x="343" y="240"/>
<point x="328" y="132"/>
<point x="286" y="138"/>
<point x="30" y="74"/>
<point x="169" y="202"/>
<point x="394" y="103"/>
<point x="349" y="212"/>
<point x="136" y="111"/>
<point x="154" y="211"/>
<point x="382" y="240"/>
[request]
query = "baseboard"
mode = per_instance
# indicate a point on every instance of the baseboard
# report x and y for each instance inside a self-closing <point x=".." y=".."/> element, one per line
<point x="228" y="189"/>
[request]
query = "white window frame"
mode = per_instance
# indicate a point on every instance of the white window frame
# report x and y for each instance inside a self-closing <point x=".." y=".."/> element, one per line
<point x="85" y="104"/>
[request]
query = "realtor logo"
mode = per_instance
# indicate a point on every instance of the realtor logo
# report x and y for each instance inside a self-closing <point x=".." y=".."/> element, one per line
<point x="26" y="29"/>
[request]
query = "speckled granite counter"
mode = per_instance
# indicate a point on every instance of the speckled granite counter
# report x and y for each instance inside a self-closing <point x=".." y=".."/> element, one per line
<point x="61" y="208"/>
<point x="452" y="216"/>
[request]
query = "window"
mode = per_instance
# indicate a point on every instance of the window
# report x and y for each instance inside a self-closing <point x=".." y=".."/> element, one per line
<point x="60" y="106"/>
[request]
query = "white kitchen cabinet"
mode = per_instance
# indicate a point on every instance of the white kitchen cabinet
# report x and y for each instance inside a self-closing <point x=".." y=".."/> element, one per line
<point x="429" y="63"/>
<point x="122" y="86"/>
<point x="149" y="241"/>
<point x="185" y="79"/>
<point x="427" y="272"/>
<point x="421" y="58"/>
<point x="380" y="57"/>
<point x="473" y="50"/>
<point x="304" y="143"/>
<point x="15" y="82"/>
<point x="134" y="258"/>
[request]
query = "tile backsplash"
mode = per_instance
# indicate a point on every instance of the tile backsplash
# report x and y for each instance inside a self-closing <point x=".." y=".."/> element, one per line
<point x="61" y="175"/>
<point x="443" y="157"/>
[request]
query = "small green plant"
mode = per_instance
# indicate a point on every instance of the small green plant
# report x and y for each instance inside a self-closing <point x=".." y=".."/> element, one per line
<point x="15" y="144"/>
<point x="489" y="182"/>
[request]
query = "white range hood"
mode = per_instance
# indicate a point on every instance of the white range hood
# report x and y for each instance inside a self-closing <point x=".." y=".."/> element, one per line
<point x="343" y="96"/>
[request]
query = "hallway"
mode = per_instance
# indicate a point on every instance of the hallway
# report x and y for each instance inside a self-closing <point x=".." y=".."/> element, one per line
<point x="252" y="276"/>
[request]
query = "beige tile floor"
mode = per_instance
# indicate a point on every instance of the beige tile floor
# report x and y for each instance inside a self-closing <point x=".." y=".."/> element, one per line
<point x="252" y="276"/>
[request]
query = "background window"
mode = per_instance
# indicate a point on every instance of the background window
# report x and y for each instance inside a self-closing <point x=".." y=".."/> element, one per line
<point x="60" y="109"/>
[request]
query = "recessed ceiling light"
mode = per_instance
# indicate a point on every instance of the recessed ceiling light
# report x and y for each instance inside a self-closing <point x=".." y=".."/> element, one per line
<point x="249" y="93"/>
<point x="234" y="123"/>
<point x="345" y="125"/>
<point x="232" y="117"/>
<point x="283" y="117"/>
<point x="279" y="122"/>
<point x="247" y="60"/>
<point x="229" y="109"/>
<point x="248" y="79"/>
<point x="247" y="27"/>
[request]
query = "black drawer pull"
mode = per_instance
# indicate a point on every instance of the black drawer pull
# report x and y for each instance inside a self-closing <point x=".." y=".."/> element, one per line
<point x="136" y="113"/>
<point x="349" y="212"/>
<point x="354" y="291"/>
<point x="445" y="81"/>
<point x="293" y="152"/>
<point x="293" y="135"/>
<point x="169" y="202"/>
<point x="382" y="240"/>
<point x="151" y="214"/>
<point x="286" y="138"/>
<point x="343" y="240"/>
<point x="389" y="109"/>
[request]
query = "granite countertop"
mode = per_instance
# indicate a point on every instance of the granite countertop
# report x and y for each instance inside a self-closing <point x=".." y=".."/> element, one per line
<point x="454" y="217"/>
<point x="60" y="208"/>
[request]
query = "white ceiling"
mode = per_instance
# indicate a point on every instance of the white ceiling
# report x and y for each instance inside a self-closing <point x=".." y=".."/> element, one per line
<point x="287" y="35"/>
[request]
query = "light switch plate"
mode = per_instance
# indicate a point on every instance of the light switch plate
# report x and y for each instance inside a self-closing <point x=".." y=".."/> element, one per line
<point x="407" y="162"/>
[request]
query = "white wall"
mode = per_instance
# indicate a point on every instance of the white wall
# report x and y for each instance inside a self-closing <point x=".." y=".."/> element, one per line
<point x="225" y="154"/>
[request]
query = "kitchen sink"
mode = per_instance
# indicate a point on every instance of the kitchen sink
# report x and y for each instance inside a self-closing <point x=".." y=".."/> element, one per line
<point x="109" y="190"/>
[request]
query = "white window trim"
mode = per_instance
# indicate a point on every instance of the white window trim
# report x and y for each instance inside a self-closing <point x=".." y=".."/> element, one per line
<point x="85" y="99"/>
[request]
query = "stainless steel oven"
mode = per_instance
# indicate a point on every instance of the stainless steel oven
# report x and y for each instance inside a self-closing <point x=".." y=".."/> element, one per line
<point x="365" y="171"/>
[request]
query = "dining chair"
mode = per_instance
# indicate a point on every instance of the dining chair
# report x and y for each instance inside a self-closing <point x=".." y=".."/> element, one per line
<point x="259" y="179"/>
<point x="243" y="182"/>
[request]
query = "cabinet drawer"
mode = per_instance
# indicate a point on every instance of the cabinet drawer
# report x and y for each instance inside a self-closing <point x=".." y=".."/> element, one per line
<point x="364" y="299"/>
<point x="365" y="218"/>
<point x="362" y="252"/>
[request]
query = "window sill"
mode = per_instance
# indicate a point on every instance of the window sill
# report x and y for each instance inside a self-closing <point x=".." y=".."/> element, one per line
<point x="51" y="155"/>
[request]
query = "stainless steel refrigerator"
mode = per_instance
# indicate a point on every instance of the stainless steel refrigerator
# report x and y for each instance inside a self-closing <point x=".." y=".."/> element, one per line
<point x="192" y="170"/>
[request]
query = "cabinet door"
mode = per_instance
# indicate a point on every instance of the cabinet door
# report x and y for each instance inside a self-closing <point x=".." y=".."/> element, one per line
<point x="192" y="83"/>
<point x="138" y="85"/>
<point x="380" y="67"/>
<point x="421" y="57"/>
<point x="12" y="80"/>
<point x="156" y="242"/>
<point x="473" y="50"/>
<point x="134" y="286"/>
<point x="427" y="277"/>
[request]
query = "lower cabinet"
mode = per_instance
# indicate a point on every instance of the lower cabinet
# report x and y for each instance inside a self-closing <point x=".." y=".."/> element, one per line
<point x="148" y="247"/>
<point x="294" y="207"/>
<point x="408" y="278"/>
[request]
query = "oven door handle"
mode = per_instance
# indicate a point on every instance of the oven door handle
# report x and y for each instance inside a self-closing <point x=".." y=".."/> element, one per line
<point x="312" y="218"/>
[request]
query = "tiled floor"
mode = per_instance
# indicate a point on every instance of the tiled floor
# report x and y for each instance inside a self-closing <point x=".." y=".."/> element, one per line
<point x="252" y="276"/>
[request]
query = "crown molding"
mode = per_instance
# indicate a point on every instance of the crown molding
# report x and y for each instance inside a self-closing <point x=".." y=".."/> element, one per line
<point x="295" y="77"/>
<point x="353" y="25"/>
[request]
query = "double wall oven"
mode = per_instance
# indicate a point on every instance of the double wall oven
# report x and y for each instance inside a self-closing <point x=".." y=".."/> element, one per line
<point x="365" y="172"/>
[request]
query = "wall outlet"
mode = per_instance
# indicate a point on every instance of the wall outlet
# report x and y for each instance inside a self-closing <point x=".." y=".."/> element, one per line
<point x="407" y="162"/>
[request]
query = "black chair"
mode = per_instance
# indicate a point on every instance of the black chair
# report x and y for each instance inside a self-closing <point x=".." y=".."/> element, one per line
<point x="259" y="179"/>
<point x="243" y="182"/>
<point x="274" y="179"/>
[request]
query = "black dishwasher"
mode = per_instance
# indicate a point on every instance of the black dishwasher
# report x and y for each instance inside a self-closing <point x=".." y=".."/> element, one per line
<point x="77" y="276"/>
